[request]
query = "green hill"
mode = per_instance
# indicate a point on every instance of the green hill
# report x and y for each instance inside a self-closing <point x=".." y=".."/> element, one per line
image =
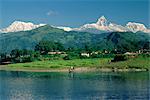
<point x="110" y="41"/>
<point x="126" y="41"/>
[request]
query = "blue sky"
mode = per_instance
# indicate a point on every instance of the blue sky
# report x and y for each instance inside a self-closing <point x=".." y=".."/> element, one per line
<point x="73" y="13"/>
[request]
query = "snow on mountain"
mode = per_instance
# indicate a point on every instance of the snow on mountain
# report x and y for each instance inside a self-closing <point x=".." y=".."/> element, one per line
<point x="118" y="28"/>
<point x="102" y="21"/>
<point x="104" y="25"/>
<point x="64" y="28"/>
<point x="135" y="27"/>
<point x="101" y="24"/>
<point x="17" y="26"/>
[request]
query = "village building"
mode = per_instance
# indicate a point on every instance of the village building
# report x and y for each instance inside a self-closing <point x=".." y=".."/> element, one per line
<point x="85" y="54"/>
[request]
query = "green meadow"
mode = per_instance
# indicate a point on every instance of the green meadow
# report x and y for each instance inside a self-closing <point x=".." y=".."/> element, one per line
<point x="63" y="63"/>
<point x="139" y="62"/>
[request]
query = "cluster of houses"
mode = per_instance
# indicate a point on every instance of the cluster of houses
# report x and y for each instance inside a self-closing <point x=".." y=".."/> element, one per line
<point x="86" y="54"/>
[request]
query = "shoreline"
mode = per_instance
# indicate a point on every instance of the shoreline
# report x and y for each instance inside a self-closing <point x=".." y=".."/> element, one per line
<point x="77" y="69"/>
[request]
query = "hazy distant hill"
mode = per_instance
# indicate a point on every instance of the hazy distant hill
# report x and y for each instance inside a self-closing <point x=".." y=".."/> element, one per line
<point x="28" y="39"/>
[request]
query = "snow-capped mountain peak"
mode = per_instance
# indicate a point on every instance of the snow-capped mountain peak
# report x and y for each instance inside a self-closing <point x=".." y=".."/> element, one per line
<point x="135" y="27"/>
<point x="103" y="25"/>
<point x="17" y="26"/>
<point x="102" y="21"/>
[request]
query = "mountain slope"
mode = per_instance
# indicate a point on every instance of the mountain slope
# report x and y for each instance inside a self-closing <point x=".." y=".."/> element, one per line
<point x="28" y="39"/>
<point x="109" y="40"/>
<point x="126" y="41"/>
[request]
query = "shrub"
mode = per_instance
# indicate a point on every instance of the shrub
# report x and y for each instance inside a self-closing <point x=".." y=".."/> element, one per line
<point x="67" y="57"/>
<point x="119" y="58"/>
<point x="72" y="55"/>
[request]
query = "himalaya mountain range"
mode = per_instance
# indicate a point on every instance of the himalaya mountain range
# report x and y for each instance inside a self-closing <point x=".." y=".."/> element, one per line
<point x="100" y="35"/>
<point x="102" y="25"/>
<point x="105" y="26"/>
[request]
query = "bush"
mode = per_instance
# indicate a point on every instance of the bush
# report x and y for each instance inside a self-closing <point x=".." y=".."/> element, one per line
<point x="22" y="59"/>
<point x="119" y="58"/>
<point x="67" y="58"/>
<point x="102" y="55"/>
<point x="144" y="55"/>
<point x="27" y="59"/>
<point x="72" y="55"/>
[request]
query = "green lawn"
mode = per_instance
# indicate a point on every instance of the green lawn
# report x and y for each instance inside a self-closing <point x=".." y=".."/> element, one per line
<point x="139" y="62"/>
<point x="63" y="63"/>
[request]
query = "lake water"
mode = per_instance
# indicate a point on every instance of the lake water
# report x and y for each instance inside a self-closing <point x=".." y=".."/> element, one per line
<point x="74" y="86"/>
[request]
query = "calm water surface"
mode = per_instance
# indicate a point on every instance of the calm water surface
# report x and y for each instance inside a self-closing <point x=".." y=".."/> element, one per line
<point x="74" y="86"/>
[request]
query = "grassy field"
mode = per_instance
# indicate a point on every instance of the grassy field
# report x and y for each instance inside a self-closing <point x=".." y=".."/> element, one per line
<point x="63" y="63"/>
<point x="139" y="63"/>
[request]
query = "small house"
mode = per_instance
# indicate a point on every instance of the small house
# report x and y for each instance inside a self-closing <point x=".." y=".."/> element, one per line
<point x="85" y="54"/>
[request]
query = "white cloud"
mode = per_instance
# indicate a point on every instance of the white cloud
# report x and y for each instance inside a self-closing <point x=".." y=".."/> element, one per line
<point x="51" y="12"/>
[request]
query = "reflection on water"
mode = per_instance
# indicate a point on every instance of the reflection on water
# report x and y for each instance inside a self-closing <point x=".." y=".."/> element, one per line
<point x="74" y="86"/>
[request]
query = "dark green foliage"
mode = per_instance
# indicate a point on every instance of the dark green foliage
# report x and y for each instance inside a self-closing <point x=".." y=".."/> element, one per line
<point x="102" y="56"/>
<point x="46" y="46"/>
<point x="119" y="57"/>
<point x="72" y="55"/>
<point x="20" y="56"/>
<point x="145" y="55"/>
<point x="35" y="54"/>
<point x="16" y="53"/>
<point x="67" y="58"/>
<point x="88" y="48"/>
<point x="4" y="58"/>
<point x="22" y="59"/>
